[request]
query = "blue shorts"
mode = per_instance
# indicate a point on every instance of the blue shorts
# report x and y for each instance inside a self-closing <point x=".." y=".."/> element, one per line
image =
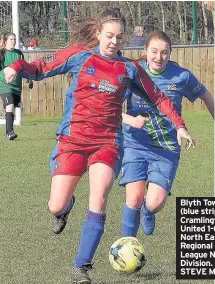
<point x="142" y="164"/>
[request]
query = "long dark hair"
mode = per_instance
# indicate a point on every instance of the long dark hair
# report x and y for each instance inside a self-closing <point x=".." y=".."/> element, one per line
<point x="85" y="31"/>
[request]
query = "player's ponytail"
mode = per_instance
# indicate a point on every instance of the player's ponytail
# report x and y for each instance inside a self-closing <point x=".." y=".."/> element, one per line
<point x="84" y="34"/>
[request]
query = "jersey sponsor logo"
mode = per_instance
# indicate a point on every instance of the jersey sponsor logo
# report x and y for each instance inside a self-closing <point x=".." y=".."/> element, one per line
<point x="172" y="87"/>
<point x="90" y="70"/>
<point x="123" y="79"/>
<point x="138" y="102"/>
<point x="106" y="87"/>
<point x="49" y="58"/>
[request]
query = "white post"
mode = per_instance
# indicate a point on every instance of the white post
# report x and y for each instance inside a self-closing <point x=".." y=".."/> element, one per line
<point x="15" y="21"/>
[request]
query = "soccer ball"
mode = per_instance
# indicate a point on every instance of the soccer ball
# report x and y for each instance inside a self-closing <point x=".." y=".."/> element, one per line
<point x="127" y="255"/>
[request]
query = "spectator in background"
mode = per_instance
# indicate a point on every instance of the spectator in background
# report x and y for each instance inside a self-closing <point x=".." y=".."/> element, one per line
<point x="33" y="45"/>
<point x="22" y="46"/>
<point x="10" y="94"/>
<point x="138" y="39"/>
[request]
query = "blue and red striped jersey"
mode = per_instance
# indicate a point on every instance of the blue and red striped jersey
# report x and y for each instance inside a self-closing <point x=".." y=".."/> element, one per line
<point x="93" y="102"/>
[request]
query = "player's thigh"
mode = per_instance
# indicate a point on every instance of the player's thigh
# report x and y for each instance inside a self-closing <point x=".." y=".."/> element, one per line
<point x="135" y="192"/>
<point x="161" y="174"/>
<point x="134" y="166"/>
<point x="62" y="189"/>
<point x="101" y="179"/>
<point x="104" y="166"/>
<point x="156" y="197"/>
<point x="66" y="167"/>
<point x="162" y="171"/>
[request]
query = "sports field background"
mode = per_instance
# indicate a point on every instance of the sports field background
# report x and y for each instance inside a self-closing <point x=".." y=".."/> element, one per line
<point x="30" y="253"/>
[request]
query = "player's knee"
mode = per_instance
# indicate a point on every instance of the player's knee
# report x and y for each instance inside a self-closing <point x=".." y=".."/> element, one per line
<point x="156" y="204"/>
<point x="134" y="201"/>
<point x="9" y="108"/>
<point x="55" y="208"/>
<point x="98" y="203"/>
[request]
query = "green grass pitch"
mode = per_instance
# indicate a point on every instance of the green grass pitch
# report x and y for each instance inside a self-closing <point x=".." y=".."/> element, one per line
<point x="31" y="254"/>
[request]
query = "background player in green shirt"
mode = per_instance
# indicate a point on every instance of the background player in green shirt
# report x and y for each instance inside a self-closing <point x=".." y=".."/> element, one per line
<point x="10" y="93"/>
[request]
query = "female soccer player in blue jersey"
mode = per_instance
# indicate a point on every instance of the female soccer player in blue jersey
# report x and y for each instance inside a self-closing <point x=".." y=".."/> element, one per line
<point x="152" y="153"/>
<point x="90" y="134"/>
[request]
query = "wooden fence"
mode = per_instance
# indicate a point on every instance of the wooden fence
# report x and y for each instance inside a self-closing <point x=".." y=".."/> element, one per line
<point x="47" y="96"/>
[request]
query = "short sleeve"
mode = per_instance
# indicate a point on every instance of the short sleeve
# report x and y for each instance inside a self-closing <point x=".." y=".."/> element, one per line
<point x="194" y="89"/>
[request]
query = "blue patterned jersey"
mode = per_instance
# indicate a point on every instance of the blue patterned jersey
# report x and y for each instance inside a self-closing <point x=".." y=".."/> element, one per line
<point x="159" y="133"/>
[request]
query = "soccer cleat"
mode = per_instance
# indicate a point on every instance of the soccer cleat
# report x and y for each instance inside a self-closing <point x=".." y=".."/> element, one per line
<point x="59" y="222"/>
<point x="11" y="136"/>
<point x="148" y="220"/>
<point x="80" y="274"/>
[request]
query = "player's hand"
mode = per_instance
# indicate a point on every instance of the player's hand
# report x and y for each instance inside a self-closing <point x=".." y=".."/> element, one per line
<point x="10" y="74"/>
<point x="139" y="121"/>
<point x="183" y="133"/>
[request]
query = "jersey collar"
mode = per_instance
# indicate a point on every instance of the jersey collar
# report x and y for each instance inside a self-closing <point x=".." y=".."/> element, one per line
<point x="155" y="74"/>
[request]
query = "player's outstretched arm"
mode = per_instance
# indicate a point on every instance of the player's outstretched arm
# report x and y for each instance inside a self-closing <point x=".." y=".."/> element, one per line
<point x="60" y="62"/>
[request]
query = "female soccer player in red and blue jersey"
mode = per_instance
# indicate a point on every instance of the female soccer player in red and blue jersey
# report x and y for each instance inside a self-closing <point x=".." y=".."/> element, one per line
<point x="90" y="134"/>
<point x="152" y="153"/>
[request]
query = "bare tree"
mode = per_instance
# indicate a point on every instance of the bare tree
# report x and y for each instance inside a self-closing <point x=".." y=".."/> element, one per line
<point x="204" y="13"/>
<point x="161" y="8"/>
<point x="181" y="21"/>
<point x="41" y="19"/>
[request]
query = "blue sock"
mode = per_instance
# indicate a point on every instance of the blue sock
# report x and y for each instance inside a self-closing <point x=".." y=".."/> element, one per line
<point x="130" y="221"/>
<point x="91" y="234"/>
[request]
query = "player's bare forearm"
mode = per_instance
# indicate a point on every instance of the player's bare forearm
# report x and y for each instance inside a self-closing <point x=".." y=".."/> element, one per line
<point x="208" y="99"/>
<point x="127" y="119"/>
<point x="137" y="122"/>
